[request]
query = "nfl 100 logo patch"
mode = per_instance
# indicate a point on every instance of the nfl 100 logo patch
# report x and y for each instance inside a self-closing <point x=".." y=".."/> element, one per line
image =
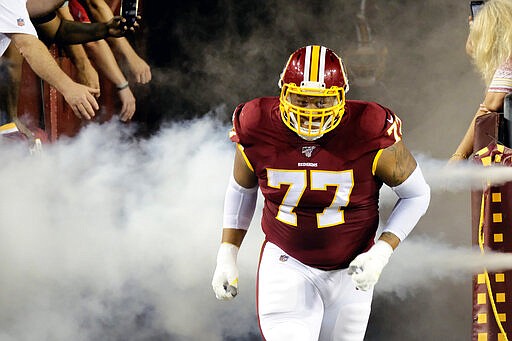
<point x="308" y="150"/>
<point x="20" y="22"/>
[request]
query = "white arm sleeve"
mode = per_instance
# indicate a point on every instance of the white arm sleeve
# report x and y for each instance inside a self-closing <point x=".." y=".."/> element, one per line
<point x="239" y="205"/>
<point x="414" y="198"/>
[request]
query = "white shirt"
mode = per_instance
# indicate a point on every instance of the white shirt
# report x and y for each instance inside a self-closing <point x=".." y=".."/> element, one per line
<point x="14" y="18"/>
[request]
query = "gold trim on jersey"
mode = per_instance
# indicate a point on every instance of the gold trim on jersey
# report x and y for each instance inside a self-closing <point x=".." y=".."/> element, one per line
<point x="247" y="162"/>
<point x="376" y="160"/>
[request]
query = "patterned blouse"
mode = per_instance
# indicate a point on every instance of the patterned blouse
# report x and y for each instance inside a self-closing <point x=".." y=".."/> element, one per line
<point x="502" y="79"/>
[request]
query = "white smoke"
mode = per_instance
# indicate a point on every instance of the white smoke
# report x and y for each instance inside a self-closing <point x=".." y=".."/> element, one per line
<point x="465" y="175"/>
<point x="105" y="237"/>
<point x="420" y="261"/>
<point x="427" y="256"/>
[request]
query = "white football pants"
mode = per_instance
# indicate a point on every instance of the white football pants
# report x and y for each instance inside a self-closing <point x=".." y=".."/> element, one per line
<point x="299" y="303"/>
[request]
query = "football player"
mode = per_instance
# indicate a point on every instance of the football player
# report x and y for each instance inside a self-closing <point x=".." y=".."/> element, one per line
<point x="319" y="161"/>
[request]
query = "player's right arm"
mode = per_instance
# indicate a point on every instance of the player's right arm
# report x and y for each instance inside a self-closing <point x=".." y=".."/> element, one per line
<point x="245" y="178"/>
<point x="239" y="206"/>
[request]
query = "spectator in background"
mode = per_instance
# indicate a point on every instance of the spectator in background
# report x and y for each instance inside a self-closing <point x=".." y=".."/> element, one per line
<point x="16" y="26"/>
<point x="489" y="44"/>
<point x="5" y="92"/>
<point x="104" y="60"/>
<point x="12" y="128"/>
<point x="86" y="74"/>
<point x="139" y="70"/>
<point x="85" y="71"/>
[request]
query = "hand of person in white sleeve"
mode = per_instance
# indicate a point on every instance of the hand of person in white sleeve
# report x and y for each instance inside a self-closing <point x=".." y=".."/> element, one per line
<point x="225" y="278"/>
<point x="366" y="268"/>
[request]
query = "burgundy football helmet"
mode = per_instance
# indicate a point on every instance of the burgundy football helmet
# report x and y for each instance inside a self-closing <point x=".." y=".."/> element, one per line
<point x="313" y="86"/>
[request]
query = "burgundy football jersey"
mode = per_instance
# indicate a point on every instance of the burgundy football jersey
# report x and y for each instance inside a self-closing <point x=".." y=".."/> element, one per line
<point x="321" y="197"/>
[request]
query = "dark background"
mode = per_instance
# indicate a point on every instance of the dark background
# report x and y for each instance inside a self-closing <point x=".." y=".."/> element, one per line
<point x="208" y="56"/>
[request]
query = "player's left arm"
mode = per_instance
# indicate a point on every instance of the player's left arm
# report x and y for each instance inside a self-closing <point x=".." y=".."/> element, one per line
<point x="398" y="169"/>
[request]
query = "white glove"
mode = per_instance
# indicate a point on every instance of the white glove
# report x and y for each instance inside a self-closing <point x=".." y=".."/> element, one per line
<point x="366" y="268"/>
<point x="225" y="278"/>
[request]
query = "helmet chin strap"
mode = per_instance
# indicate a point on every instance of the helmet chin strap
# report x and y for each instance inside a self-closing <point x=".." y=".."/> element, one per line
<point x="310" y="138"/>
